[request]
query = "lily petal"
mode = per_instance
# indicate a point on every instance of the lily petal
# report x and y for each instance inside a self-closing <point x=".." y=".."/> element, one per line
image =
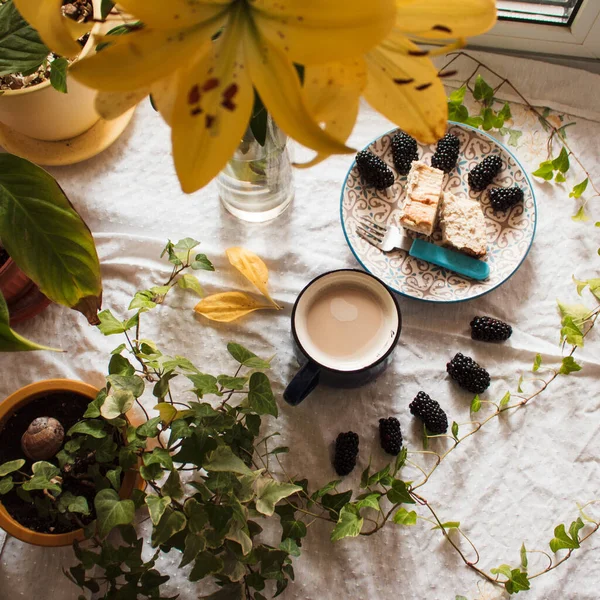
<point x="278" y="85"/>
<point x="405" y="88"/>
<point x="333" y="92"/>
<point x="58" y="32"/>
<point x="111" y="105"/>
<point x="137" y="59"/>
<point x="442" y="19"/>
<point x="318" y="31"/>
<point x="212" y="109"/>
<point x="164" y="94"/>
<point x="173" y="14"/>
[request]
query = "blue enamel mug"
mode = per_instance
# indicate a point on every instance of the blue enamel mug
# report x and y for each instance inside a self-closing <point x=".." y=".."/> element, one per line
<point x="345" y="327"/>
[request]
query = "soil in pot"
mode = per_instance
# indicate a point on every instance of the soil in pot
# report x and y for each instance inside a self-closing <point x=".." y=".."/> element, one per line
<point x="67" y="408"/>
<point x="78" y="10"/>
<point x="3" y="256"/>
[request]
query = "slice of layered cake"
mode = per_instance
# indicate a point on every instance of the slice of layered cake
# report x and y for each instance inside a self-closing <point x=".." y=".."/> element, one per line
<point x="463" y="224"/>
<point x="423" y="190"/>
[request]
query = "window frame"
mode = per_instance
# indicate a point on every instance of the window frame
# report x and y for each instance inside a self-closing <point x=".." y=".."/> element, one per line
<point x="581" y="39"/>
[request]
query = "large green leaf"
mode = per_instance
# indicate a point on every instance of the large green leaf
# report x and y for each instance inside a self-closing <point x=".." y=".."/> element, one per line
<point x="10" y="341"/>
<point x="112" y="511"/>
<point x="46" y="237"/>
<point x="21" y="48"/>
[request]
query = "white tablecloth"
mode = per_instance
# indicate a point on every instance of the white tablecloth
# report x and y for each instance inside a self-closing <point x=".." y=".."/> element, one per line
<point x="512" y="482"/>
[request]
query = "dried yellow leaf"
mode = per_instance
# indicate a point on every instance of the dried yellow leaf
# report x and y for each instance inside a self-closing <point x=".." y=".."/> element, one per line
<point x="252" y="268"/>
<point x="228" y="306"/>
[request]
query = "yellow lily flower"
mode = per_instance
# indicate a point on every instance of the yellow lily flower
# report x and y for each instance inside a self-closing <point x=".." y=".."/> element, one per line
<point x="209" y="101"/>
<point x="397" y="77"/>
<point x="204" y="89"/>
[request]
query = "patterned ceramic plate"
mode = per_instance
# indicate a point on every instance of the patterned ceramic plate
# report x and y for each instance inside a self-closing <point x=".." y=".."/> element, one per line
<point x="510" y="234"/>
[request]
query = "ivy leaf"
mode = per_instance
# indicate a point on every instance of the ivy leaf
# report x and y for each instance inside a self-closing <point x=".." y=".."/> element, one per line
<point x="483" y="92"/>
<point x="6" y="485"/>
<point x="223" y="459"/>
<point x="173" y="487"/>
<point x="194" y="544"/>
<point x="566" y="541"/>
<point x="58" y="74"/>
<point x="400" y="459"/>
<point x="117" y="403"/>
<point x="11" y="466"/>
<point x="455" y="430"/>
<point x="537" y="362"/>
<point x="290" y="546"/>
<point x="458" y="96"/>
<point x="502" y="570"/>
<point x="571" y="333"/>
<point x="201" y="263"/>
<point x="91" y="427"/>
<point x="545" y="170"/>
<point x="560" y="178"/>
<point x="206" y="564"/>
<point x="505" y="400"/>
<point x="404" y="517"/>
<point x="335" y="502"/>
<point x="130" y="383"/>
<point x="369" y="501"/>
<point x="195" y="513"/>
<point x="270" y="492"/>
<point x="150" y="428"/>
<point x="569" y="366"/>
<point x="377" y="477"/>
<point x="580" y="216"/>
<point x="109" y="324"/>
<point x="504" y="114"/>
<point x="349" y="524"/>
<point x="232" y="383"/>
<point x="579" y="189"/>
<point x="119" y="365"/>
<point x="518" y="582"/>
<point x="166" y="411"/>
<point x="204" y="384"/>
<point x="190" y="282"/>
<point x="246" y="358"/>
<point x="332" y="485"/>
<point x="157" y="506"/>
<point x="460" y="598"/>
<point x="111" y="511"/>
<point x="475" y="404"/>
<point x="172" y="522"/>
<point x="561" y="162"/>
<point x="399" y="493"/>
<point x="114" y="476"/>
<point x="447" y="525"/>
<point x="260" y="395"/>
<point x="514" y="135"/>
<point x="73" y="504"/>
<point x="524" y="561"/>
<point x="186" y="244"/>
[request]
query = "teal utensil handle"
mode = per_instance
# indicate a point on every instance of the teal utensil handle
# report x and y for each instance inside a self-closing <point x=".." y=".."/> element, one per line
<point x="454" y="261"/>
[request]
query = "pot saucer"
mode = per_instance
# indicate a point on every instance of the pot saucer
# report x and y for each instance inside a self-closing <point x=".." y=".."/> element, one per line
<point x="30" y="304"/>
<point x="65" y="152"/>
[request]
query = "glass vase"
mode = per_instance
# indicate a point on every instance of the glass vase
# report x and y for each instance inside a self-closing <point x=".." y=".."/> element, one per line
<point x="257" y="184"/>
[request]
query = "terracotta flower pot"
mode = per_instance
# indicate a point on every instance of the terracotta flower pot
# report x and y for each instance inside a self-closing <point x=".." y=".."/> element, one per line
<point x="14" y="284"/>
<point x="8" y="407"/>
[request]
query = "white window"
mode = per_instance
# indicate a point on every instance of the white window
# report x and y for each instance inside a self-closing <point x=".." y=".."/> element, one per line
<point x="560" y="27"/>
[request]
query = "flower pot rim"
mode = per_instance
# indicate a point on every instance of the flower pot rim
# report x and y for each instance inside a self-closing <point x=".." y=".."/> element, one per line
<point x="38" y="87"/>
<point x="7" y="265"/>
<point x="8" y="407"/>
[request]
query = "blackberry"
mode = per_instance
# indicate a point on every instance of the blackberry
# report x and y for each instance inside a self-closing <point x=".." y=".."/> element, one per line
<point x="468" y="374"/>
<point x="430" y="412"/>
<point x="346" y="451"/>
<point x="404" y="151"/>
<point x="374" y="171"/>
<point x="390" y="435"/>
<point x="487" y="329"/>
<point x="446" y="153"/>
<point x="483" y="174"/>
<point x="502" y="199"/>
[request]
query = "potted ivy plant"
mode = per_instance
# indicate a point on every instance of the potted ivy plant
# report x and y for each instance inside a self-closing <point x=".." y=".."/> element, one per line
<point x="53" y="461"/>
<point x="59" y="257"/>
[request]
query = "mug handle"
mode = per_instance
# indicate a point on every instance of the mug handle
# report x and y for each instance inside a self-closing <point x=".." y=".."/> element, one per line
<point x="304" y="382"/>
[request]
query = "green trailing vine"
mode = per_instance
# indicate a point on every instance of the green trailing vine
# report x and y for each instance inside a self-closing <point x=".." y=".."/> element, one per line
<point x="493" y="114"/>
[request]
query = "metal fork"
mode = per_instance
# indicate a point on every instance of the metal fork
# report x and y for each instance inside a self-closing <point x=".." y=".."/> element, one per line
<point x="385" y="238"/>
<point x="391" y="237"/>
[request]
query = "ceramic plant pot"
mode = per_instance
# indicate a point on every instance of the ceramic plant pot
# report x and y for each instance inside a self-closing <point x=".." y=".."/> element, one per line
<point x="42" y="113"/>
<point x="12" y="404"/>
<point x="14" y="284"/>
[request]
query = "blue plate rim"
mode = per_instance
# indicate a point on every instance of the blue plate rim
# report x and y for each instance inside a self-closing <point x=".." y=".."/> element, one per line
<point x="360" y="262"/>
